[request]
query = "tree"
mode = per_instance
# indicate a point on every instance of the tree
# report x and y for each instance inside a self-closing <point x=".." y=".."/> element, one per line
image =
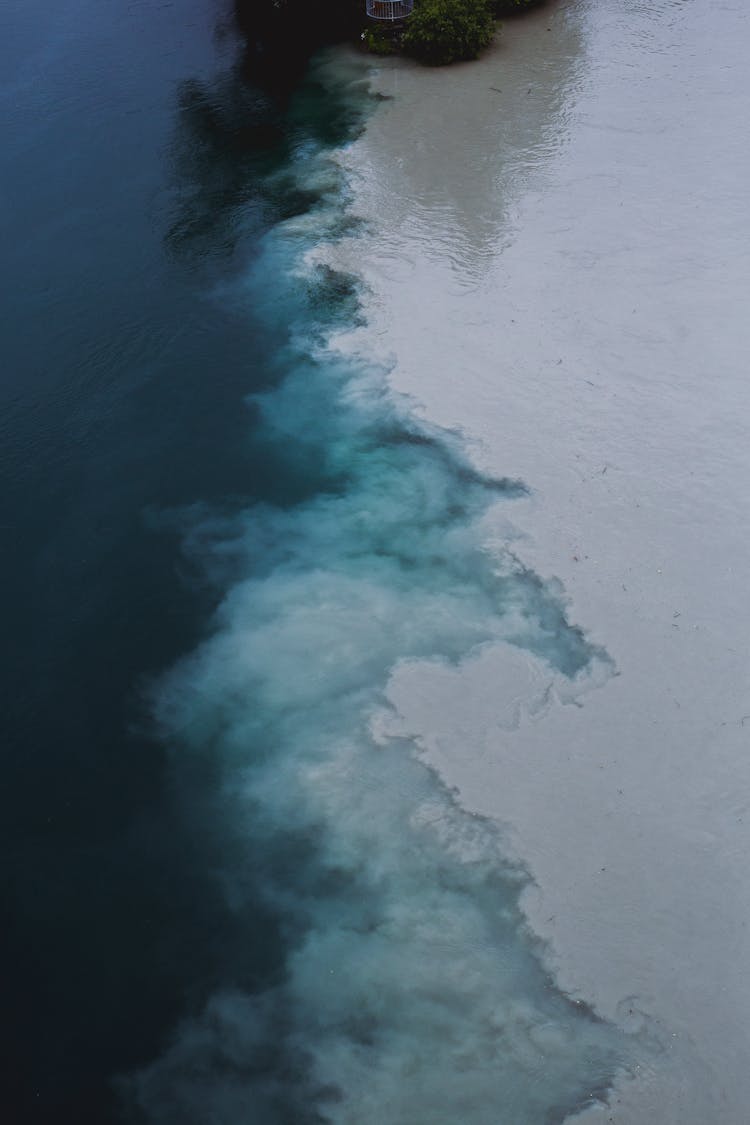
<point x="444" y="31"/>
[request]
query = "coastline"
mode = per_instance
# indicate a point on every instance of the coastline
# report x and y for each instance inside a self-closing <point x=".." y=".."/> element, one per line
<point x="535" y="281"/>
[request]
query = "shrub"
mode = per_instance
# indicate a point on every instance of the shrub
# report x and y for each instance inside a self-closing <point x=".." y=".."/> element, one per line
<point x="378" y="41"/>
<point x="445" y="31"/>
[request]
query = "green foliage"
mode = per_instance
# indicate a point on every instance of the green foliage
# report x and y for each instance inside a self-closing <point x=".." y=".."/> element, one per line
<point x="444" y="31"/>
<point x="378" y="41"/>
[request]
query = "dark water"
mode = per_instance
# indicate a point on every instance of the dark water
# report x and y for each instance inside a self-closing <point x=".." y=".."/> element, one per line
<point x="135" y="158"/>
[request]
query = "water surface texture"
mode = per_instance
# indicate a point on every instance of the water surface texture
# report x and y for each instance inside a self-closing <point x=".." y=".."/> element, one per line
<point x="557" y="267"/>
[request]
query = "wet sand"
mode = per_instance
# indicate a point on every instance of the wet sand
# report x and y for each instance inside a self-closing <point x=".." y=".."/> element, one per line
<point x="554" y="267"/>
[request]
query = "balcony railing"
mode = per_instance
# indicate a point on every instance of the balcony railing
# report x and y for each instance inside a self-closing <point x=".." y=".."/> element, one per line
<point x="389" y="9"/>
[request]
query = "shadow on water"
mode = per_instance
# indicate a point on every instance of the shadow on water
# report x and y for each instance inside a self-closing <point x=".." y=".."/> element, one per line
<point x="234" y="151"/>
<point x="498" y="129"/>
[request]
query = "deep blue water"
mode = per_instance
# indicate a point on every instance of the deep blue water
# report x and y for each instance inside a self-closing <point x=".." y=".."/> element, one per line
<point x="217" y="541"/>
<point x="134" y="160"/>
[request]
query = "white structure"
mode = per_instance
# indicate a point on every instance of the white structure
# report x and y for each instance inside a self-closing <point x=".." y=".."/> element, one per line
<point x="389" y="9"/>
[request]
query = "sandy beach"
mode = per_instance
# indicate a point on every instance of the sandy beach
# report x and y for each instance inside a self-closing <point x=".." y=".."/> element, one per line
<point x="553" y="264"/>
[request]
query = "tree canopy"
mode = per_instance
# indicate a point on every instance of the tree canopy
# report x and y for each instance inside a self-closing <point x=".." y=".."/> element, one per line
<point x="445" y="31"/>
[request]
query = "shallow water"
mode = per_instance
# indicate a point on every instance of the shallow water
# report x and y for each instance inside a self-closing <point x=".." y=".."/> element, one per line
<point x="556" y="270"/>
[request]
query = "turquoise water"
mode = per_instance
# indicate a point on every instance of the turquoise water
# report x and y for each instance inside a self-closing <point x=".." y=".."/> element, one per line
<point x="229" y="900"/>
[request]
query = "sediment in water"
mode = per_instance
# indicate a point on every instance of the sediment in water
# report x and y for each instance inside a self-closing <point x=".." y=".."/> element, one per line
<point x="410" y="986"/>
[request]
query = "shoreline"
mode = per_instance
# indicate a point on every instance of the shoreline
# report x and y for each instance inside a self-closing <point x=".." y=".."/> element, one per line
<point x="528" y="283"/>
